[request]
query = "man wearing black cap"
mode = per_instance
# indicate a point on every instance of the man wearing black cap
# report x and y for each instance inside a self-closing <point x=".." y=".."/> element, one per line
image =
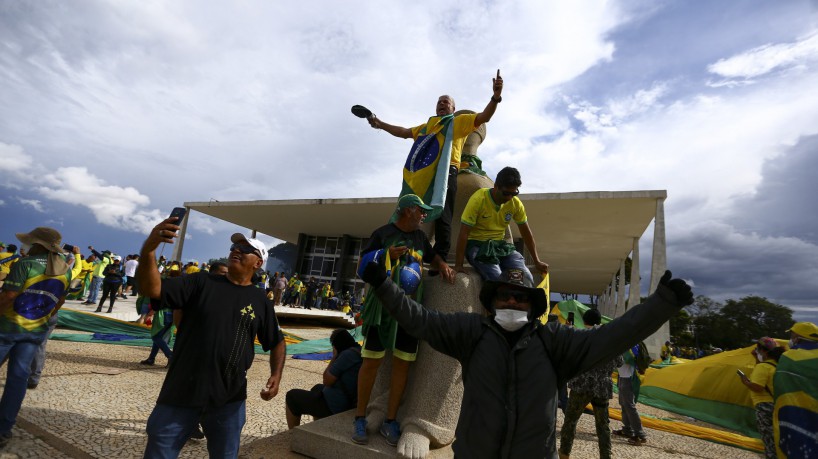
<point x="207" y="377"/>
<point x="512" y="364"/>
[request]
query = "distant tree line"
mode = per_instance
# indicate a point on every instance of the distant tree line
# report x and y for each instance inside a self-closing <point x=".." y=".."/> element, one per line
<point x="729" y="325"/>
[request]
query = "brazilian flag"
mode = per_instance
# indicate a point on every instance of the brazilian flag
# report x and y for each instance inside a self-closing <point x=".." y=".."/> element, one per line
<point x="426" y="172"/>
<point x="795" y="416"/>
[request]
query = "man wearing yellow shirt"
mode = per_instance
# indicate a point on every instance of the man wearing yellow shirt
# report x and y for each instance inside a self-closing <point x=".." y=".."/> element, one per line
<point x="8" y="255"/>
<point x="464" y="124"/>
<point x="483" y="225"/>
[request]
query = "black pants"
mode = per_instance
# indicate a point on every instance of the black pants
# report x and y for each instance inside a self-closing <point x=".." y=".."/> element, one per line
<point x="443" y="225"/>
<point x="311" y="402"/>
<point x="108" y="289"/>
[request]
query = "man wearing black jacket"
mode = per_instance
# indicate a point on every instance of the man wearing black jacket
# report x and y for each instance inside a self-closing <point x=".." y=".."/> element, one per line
<point x="512" y="364"/>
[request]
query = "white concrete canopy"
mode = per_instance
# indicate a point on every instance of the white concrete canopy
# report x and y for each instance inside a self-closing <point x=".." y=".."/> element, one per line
<point x="584" y="236"/>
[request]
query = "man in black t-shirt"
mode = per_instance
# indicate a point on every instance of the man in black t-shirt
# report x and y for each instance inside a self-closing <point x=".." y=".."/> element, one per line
<point x="402" y="247"/>
<point x="214" y="347"/>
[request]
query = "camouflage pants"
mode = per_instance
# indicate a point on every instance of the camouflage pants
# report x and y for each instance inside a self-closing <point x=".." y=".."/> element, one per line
<point x="576" y="405"/>
<point x="764" y="420"/>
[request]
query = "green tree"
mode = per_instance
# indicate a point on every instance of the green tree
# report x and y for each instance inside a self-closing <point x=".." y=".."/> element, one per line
<point x="752" y="317"/>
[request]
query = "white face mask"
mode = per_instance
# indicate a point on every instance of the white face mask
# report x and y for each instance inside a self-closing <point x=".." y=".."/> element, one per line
<point x="511" y="319"/>
<point x="759" y="357"/>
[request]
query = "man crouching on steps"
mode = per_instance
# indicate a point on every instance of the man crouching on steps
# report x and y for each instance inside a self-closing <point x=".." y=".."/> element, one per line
<point x="206" y="380"/>
<point x="512" y="364"/>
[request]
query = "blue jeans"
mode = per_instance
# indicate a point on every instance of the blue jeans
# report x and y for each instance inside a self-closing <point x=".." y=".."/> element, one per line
<point x="170" y="426"/>
<point x="491" y="272"/>
<point x="38" y="362"/>
<point x="96" y="283"/>
<point x="318" y="300"/>
<point x="160" y="341"/>
<point x="20" y="349"/>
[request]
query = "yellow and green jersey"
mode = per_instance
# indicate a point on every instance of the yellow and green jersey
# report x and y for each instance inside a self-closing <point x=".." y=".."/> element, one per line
<point x="463" y="126"/>
<point x="487" y="219"/>
<point x="39" y="295"/>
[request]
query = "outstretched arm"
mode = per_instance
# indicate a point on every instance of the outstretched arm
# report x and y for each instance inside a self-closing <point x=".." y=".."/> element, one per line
<point x="147" y="274"/>
<point x="528" y="240"/>
<point x="397" y="131"/>
<point x="450" y="334"/>
<point x="496" y="98"/>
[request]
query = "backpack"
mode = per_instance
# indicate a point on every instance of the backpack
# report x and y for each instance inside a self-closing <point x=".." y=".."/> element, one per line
<point x="642" y="357"/>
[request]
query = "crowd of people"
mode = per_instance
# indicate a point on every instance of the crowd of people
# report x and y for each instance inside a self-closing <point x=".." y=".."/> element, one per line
<point x="509" y="359"/>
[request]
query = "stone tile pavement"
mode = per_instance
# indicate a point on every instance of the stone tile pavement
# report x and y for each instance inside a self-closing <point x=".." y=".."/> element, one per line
<point x="94" y="399"/>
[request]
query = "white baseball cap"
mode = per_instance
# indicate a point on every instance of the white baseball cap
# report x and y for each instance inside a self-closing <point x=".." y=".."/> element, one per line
<point x="262" y="249"/>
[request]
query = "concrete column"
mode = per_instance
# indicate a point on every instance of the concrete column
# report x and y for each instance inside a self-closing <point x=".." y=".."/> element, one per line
<point x="634" y="293"/>
<point x="659" y="256"/>
<point x="180" y="241"/>
<point x="658" y="266"/>
<point x="620" y="299"/>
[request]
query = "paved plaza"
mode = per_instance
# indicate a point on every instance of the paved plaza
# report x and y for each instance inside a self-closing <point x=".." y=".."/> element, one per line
<point x="94" y="399"/>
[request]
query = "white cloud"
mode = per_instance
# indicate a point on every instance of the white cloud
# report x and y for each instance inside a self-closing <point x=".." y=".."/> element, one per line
<point x="33" y="203"/>
<point x="765" y="59"/>
<point x="119" y="207"/>
<point x="2" y="203"/>
<point x="13" y="158"/>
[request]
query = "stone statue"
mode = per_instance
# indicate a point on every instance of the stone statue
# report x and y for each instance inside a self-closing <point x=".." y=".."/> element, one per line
<point x="431" y="404"/>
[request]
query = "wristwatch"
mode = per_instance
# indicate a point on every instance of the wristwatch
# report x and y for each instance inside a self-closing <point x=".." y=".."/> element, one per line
<point x="497" y="99"/>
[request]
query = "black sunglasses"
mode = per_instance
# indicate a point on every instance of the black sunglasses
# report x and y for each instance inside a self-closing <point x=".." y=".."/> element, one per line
<point x="510" y="193"/>
<point x="245" y="248"/>
<point x="520" y="297"/>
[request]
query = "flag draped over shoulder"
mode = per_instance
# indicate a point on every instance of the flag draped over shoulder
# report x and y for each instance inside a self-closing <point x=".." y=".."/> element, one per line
<point x="426" y="172"/>
<point x="373" y="314"/>
<point x="795" y="416"/>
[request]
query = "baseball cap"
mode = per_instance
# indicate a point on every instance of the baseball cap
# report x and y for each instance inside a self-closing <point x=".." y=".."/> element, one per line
<point x="806" y="330"/>
<point x="258" y="245"/>
<point x="767" y="343"/>
<point x="409" y="200"/>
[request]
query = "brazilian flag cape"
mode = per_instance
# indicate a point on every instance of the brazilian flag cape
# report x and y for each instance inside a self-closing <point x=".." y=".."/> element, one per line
<point x="795" y="416"/>
<point x="373" y="313"/>
<point x="426" y="172"/>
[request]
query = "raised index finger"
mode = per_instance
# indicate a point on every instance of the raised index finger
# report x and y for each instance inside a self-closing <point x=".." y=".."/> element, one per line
<point x="498" y="73"/>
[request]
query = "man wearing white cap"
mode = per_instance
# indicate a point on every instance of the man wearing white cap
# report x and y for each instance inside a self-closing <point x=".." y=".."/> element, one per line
<point x="33" y="292"/>
<point x="206" y="379"/>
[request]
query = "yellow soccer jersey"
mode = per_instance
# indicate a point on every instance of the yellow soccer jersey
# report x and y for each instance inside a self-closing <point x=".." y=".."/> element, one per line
<point x="463" y="126"/>
<point x="488" y="221"/>
<point x="763" y="376"/>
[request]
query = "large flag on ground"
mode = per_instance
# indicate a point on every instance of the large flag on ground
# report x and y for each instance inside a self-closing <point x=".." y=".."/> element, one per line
<point x="795" y="416"/>
<point x="426" y="172"/>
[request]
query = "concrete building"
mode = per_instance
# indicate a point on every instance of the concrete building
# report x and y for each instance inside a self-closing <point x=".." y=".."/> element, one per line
<point x="585" y="237"/>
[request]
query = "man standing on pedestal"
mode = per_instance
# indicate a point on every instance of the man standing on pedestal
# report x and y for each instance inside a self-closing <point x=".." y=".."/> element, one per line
<point x="441" y="138"/>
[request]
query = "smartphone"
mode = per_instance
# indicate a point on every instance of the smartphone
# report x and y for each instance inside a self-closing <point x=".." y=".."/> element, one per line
<point x="570" y="318"/>
<point x="741" y="373"/>
<point x="180" y="213"/>
<point x="68" y="247"/>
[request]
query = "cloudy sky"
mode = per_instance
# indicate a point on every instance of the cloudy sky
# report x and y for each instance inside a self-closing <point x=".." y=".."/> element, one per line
<point x="112" y="113"/>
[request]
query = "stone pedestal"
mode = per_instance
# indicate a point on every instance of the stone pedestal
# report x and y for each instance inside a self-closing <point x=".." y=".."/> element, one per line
<point x="431" y="403"/>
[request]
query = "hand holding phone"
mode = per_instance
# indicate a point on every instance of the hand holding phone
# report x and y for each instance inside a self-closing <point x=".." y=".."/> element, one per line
<point x="179" y="213"/>
<point x="741" y="374"/>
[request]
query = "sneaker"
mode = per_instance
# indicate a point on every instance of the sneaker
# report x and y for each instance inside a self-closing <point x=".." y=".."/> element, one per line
<point x="5" y="438"/>
<point x="197" y="434"/>
<point x="359" y="435"/>
<point x="637" y="441"/>
<point x="147" y="362"/>
<point x="31" y="385"/>
<point x="622" y="433"/>
<point x="391" y="431"/>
